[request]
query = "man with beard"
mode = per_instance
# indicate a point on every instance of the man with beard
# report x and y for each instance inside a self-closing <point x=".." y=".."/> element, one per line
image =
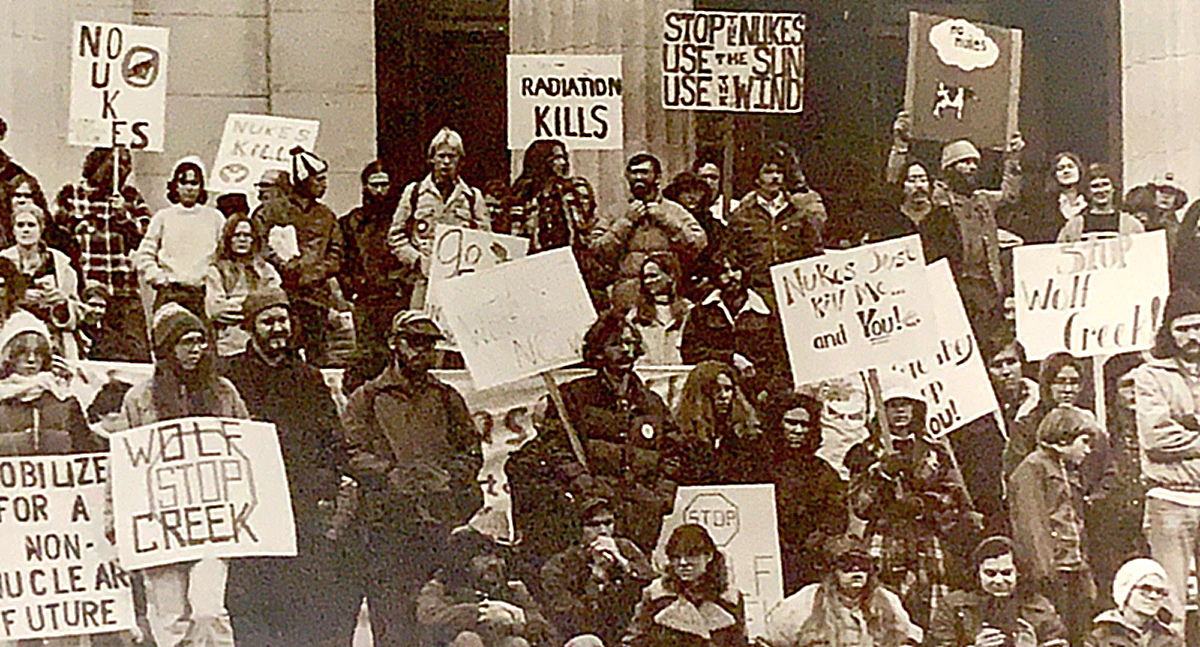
<point x="1001" y="611"/>
<point x="847" y="608"/>
<point x="650" y="223"/>
<point x="184" y="384"/>
<point x="768" y="228"/>
<point x="1167" y="390"/>
<point x="414" y="450"/>
<point x="318" y="253"/>
<point x="311" y="599"/>
<point x="939" y="233"/>
<point x="370" y="277"/>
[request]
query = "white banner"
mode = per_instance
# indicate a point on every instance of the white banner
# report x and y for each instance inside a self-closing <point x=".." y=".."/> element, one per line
<point x="741" y="520"/>
<point x="1100" y="296"/>
<point x="733" y="61"/>
<point x="500" y="317"/>
<point x="194" y="487"/>
<point x="60" y="574"/>
<point x="860" y="308"/>
<point x="253" y="144"/>
<point x="458" y="251"/>
<point x="118" y="85"/>
<point x="574" y="99"/>
<point x="954" y="379"/>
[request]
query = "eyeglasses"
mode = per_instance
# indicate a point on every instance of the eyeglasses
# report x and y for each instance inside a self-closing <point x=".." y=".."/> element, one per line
<point x="1150" y="590"/>
<point x="28" y="195"/>
<point x="998" y="572"/>
<point x="193" y="343"/>
<point x="853" y="563"/>
<point x="602" y="521"/>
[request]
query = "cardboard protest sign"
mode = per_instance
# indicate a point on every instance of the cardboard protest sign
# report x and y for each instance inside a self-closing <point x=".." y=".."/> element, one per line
<point x="854" y="309"/>
<point x="574" y="99"/>
<point x="118" y="85"/>
<point x="252" y="144"/>
<point x="194" y="487"/>
<point x="733" y="61"/>
<point x="458" y="251"/>
<point x="1099" y="296"/>
<point x="741" y="520"/>
<point x="964" y="80"/>
<point x="60" y="574"/>
<point x="953" y="380"/>
<point x="499" y="317"/>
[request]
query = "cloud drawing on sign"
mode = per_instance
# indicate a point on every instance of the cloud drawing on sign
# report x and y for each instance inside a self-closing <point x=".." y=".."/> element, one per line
<point x="963" y="45"/>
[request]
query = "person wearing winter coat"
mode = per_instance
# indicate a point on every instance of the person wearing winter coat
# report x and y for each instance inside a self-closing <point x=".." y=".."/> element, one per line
<point x="1000" y="609"/>
<point x="442" y="198"/>
<point x="184" y="384"/>
<point x="51" y="284"/>
<point x="240" y="268"/>
<point x="591" y="588"/>
<point x="847" y="608"/>
<point x="416" y="453"/>
<point x="719" y="440"/>
<point x="1142" y="617"/>
<point x="181" y="240"/>
<point x="693" y="604"/>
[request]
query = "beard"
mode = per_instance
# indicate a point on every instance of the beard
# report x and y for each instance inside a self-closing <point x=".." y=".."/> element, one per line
<point x="962" y="184"/>
<point x="641" y="189"/>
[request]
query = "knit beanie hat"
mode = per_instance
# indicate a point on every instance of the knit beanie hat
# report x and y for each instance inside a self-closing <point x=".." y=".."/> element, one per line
<point x="171" y="322"/>
<point x="306" y="165"/>
<point x="1064" y="424"/>
<point x="260" y="300"/>
<point x="1182" y="301"/>
<point x="958" y="151"/>
<point x="1132" y="573"/>
<point x="21" y="322"/>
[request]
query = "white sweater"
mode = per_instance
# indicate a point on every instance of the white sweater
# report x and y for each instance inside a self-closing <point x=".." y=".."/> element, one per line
<point x="180" y="244"/>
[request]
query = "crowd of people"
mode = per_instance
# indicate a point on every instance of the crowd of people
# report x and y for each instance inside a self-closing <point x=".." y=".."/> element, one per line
<point x="1012" y="530"/>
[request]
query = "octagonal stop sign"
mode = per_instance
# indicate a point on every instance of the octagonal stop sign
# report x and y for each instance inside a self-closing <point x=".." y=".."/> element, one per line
<point x="716" y="513"/>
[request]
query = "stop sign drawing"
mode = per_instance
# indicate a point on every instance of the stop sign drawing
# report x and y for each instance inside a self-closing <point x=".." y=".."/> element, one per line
<point x="716" y="513"/>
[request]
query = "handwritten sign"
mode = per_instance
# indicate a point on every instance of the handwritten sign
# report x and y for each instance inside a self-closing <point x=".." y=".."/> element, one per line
<point x="253" y="144"/>
<point x="963" y="81"/>
<point x="1099" y="296"/>
<point x="458" y="251"/>
<point x="194" y="487"/>
<point x="118" y="85"/>
<point x="741" y="520"/>
<point x="733" y="61"/>
<point x="60" y="574"/>
<point x="574" y="99"/>
<point x="953" y="380"/>
<point x="854" y="309"/>
<point x="499" y="317"/>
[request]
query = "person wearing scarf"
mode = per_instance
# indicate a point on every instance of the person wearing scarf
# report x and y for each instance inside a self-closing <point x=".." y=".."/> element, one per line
<point x="184" y="384"/>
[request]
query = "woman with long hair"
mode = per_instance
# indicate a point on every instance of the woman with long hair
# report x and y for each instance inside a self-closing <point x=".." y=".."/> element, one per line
<point x="52" y="285"/>
<point x="718" y="432"/>
<point x="538" y="210"/>
<point x="693" y="604"/>
<point x="659" y="310"/>
<point x="239" y="269"/>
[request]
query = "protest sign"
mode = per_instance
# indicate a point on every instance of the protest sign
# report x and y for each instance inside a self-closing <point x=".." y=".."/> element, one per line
<point x="964" y="80"/>
<point x="60" y="574"/>
<point x="953" y="379"/>
<point x="574" y="99"/>
<point x="458" y="251"/>
<point x="498" y="317"/>
<point x="741" y="520"/>
<point x="118" y="85"/>
<point x="854" y="309"/>
<point x="252" y="144"/>
<point x="1099" y="296"/>
<point x="195" y="487"/>
<point x="733" y="61"/>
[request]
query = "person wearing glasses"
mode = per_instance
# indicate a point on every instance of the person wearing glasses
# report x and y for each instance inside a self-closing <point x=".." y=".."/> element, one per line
<point x="1142" y="616"/>
<point x="590" y="589"/>
<point x="847" y="608"/>
<point x="1002" y="610"/>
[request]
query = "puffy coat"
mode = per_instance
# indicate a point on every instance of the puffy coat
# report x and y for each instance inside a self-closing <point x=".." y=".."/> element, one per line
<point x="664" y="618"/>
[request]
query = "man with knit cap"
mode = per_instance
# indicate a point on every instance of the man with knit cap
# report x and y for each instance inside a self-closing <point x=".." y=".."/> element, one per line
<point x="317" y="256"/>
<point x="181" y="240"/>
<point x="442" y="198"/>
<point x="184" y="601"/>
<point x="312" y="598"/>
<point x="415" y="451"/>
<point x="1167" y="391"/>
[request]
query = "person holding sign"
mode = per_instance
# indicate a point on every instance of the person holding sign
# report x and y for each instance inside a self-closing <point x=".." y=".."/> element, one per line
<point x="1102" y="215"/>
<point x="415" y="450"/>
<point x="1167" y="389"/>
<point x="180" y="600"/>
<point x="443" y="197"/>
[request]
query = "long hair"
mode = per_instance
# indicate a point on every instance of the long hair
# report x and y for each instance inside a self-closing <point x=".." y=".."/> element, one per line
<point x="14" y="284"/>
<point x="18" y="346"/>
<point x="696" y="413"/>
<point x="173" y="183"/>
<point x="606" y="330"/>
<point x="535" y="168"/>
<point x="232" y="268"/>
<point x="1052" y="186"/>
<point x="777" y="407"/>
<point x="644" y="311"/>
<point x="167" y="395"/>
<point x="689" y="539"/>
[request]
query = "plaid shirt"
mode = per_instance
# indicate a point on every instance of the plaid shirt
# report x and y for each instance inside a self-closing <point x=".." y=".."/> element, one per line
<point x="107" y="237"/>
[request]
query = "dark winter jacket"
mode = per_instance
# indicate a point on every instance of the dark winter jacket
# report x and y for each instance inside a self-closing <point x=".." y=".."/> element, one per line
<point x="45" y="425"/>
<point x="581" y="602"/>
<point x="664" y="618"/>
<point x="368" y="267"/>
<point x="764" y="240"/>
<point x="963" y="614"/>
<point x="444" y="611"/>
